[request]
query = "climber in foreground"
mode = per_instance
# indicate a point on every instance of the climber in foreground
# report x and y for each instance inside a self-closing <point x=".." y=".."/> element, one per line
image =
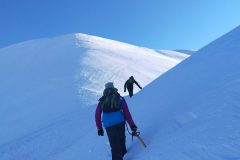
<point x="129" y="85"/>
<point x="115" y="112"/>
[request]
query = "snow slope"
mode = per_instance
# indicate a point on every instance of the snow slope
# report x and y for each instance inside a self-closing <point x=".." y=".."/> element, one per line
<point x="174" y="54"/>
<point x="190" y="113"/>
<point x="186" y="51"/>
<point x="194" y="109"/>
<point x="48" y="84"/>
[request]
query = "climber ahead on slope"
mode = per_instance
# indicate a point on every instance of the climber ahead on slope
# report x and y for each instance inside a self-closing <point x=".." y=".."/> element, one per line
<point x="129" y="85"/>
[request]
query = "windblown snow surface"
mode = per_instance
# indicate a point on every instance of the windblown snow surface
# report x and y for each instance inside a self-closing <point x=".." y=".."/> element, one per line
<point x="186" y="51"/>
<point x="49" y="89"/>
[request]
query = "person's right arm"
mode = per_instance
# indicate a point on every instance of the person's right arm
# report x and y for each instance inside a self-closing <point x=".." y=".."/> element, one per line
<point x="125" y="85"/>
<point x="98" y="117"/>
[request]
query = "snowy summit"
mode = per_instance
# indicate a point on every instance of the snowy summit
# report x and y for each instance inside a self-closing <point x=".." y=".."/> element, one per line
<point x="190" y="113"/>
<point x="49" y="84"/>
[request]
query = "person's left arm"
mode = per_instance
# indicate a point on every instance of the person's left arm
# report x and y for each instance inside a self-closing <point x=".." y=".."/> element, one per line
<point x="137" y="84"/>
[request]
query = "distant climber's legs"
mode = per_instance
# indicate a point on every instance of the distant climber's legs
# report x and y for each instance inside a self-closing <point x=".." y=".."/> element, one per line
<point x="130" y="91"/>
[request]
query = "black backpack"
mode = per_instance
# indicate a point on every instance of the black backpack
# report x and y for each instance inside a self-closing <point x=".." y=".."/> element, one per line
<point x="111" y="101"/>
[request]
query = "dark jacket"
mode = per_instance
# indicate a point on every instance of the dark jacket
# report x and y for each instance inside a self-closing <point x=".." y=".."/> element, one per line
<point x="129" y="84"/>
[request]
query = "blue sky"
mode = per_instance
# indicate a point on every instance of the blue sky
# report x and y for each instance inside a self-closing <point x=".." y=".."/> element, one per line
<point x="158" y="24"/>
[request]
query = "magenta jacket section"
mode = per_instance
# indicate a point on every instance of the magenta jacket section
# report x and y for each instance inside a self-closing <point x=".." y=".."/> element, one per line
<point x="125" y="110"/>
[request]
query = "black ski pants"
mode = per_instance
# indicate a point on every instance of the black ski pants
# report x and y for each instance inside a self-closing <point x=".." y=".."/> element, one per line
<point x="117" y="140"/>
<point x="130" y="91"/>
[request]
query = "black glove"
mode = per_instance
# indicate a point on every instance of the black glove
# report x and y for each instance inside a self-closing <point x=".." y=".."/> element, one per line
<point x="140" y="87"/>
<point x="134" y="129"/>
<point x="100" y="132"/>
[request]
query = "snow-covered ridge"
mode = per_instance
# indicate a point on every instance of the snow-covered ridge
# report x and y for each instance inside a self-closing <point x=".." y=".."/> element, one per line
<point x="187" y="51"/>
<point x="44" y="79"/>
<point x="97" y="60"/>
<point x="173" y="54"/>
<point x="195" y="106"/>
<point x="119" y="61"/>
<point x="190" y="113"/>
